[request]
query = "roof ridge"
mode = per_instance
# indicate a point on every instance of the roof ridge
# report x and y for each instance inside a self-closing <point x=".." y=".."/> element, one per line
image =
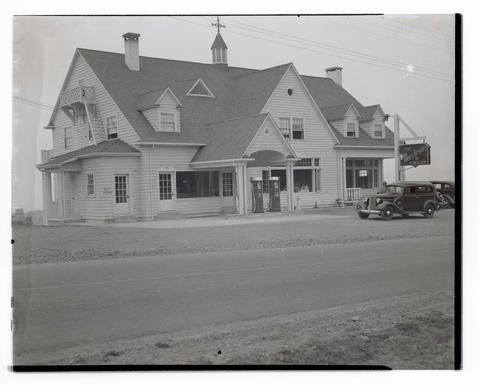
<point x="237" y="118"/>
<point x="162" y="58"/>
<point x="263" y="70"/>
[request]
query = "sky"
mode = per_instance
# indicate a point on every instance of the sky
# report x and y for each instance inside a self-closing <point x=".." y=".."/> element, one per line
<point x="405" y="63"/>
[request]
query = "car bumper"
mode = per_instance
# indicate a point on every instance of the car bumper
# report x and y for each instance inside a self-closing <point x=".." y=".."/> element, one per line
<point x="365" y="211"/>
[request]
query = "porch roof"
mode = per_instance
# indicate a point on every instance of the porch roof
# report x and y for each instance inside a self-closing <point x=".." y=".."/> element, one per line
<point x="107" y="147"/>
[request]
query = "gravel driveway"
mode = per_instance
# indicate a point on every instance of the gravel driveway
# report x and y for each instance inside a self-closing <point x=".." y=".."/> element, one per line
<point x="74" y="243"/>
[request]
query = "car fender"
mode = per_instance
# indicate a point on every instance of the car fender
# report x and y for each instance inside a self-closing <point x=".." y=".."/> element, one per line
<point x="384" y="204"/>
<point x="430" y="201"/>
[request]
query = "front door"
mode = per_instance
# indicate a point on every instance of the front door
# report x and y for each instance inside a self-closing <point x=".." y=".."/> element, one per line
<point x="122" y="197"/>
<point x="166" y="192"/>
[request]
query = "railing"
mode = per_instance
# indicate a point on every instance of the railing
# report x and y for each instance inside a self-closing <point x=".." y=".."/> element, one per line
<point x="81" y="94"/>
<point x="353" y="194"/>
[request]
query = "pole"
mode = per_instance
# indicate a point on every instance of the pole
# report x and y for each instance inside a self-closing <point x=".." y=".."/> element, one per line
<point x="396" y="149"/>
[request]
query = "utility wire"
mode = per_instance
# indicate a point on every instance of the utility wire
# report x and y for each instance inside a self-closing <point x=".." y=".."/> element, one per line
<point x="32" y="103"/>
<point x="337" y="49"/>
<point x="431" y="76"/>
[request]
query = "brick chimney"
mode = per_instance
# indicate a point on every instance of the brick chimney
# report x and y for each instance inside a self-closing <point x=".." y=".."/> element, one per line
<point x="335" y="74"/>
<point x="132" y="51"/>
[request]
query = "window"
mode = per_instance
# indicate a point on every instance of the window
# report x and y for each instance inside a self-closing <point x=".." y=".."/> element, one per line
<point x="111" y="127"/>
<point x="227" y="179"/>
<point x="68" y="137"/>
<point x="265" y="175"/>
<point x="363" y="173"/>
<point x="197" y="184"/>
<point x="378" y="130"/>
<point x="307" y="175"/>
<point x="167" y="121"/>
<point x="305" y="162"/>
<point x="351" y="130"/>
<point x="90" y="185"/>
<point x="284" y="127"/>
<point x="298" y="132"/>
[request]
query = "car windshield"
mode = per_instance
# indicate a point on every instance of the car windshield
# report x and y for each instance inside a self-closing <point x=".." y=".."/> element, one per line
<point x="395" y="189"/>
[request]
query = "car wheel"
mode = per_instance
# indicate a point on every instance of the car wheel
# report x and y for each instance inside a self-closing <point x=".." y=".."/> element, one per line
<point x="387" y="213"/>
<point x="449" y="200"/>
<point x="363" y="215"/>
<point x="429" y="210"/>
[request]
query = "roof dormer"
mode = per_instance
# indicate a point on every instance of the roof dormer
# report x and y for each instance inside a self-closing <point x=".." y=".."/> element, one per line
<point x="344" y="118"/>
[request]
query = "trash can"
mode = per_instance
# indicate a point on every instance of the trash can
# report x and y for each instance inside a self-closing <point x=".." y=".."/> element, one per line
<point x="257" y="190"/>
<point x="274" y="194"/>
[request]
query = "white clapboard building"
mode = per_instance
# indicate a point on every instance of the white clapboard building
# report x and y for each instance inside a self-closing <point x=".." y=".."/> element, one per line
<point x="135" y="137"/>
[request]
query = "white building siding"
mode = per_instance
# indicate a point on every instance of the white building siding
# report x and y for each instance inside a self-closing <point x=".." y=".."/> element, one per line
<point x="267" y="138"/>
<point x="107" y="107"/>
<point x="342" y="125"/>
<point x="154" y="160"/>
<point x="168" y="104"/>
<point x="153" y="117"/>
<point x="99" y="206"/>
<point x="318" y="141"/>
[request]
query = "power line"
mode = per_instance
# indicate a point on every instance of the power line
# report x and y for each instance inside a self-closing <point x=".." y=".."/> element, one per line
<point x="32" y="103"/>
<point x="431" y="76"/>
<point x="340" y="50"/>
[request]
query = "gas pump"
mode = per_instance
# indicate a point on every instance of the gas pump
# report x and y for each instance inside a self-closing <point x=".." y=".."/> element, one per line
<point x="257" y="190"/>
<point x="274" y="194"/>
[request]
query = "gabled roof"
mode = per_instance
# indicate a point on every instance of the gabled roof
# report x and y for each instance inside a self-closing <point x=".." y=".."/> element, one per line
<point x="219" y="42"/>
<point x="229" y="139"/>
<point x="107" y="147"/>
<point x="238" y="92"/>
<point x="338" y="112"/>
<point x="368" y="112"/>
<point x="153" y="98"/>
<point x="364" y="140"/>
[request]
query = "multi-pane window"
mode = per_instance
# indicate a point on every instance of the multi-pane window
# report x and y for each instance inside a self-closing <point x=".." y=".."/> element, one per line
<point x="68" y="137"/>
<point x="227" y="180"/>
<point x="111" y="127"/>
<point x="164" y="186"/>
<point x="121" y="189"/>
<point x="298" y="129"/>
<point x="265" y="176"/>
<point x="90" y="185"/>
<point x="351" y="129"/>
<point x="167" y="121"/>
<point x="307" y="175"/>
<point x="284" y="127"/>
<point x="363" y="173"/>
<point x="305" y="162"/>
<point x="378" y="130"/>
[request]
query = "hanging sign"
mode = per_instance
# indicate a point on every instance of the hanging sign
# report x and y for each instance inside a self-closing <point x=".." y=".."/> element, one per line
<point x="415" y="154"/>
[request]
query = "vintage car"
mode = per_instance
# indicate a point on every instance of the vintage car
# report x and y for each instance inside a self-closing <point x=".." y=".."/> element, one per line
<point x="445" y="193"/>
<point x="404" y="198"/>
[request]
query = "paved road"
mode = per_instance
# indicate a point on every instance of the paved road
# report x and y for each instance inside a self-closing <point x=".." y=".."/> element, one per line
<point x="71" y="304"/>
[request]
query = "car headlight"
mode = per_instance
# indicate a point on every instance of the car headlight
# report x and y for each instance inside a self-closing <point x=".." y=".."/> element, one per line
<point x="365" y="200"/>
<point x="378" y="200"/>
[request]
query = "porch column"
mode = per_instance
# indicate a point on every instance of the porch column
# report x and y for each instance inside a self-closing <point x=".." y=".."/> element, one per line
<point x="245" y="191"/>
<point x="45" y="184"/>
<point x="239" y="189"/>
<point x="290" y="184"/>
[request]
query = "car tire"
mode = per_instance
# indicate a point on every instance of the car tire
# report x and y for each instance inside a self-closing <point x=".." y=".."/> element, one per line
<point x="429" y="210"/>
<point x="387" y="213"/>
<point x="363" y="215"/>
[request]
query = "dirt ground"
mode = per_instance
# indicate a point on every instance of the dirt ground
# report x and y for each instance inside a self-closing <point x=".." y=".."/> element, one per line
<point x="40" y="244"/>
<point x="412" y="331"/>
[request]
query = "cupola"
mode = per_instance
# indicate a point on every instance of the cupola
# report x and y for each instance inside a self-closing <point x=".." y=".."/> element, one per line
<point x="219" y="49"/>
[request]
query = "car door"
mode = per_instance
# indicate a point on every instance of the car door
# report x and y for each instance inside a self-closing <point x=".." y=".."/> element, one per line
<point x="410" y="199"/>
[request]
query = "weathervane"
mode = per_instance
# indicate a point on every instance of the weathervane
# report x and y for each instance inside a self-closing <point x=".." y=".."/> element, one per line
<point x="217" y="24"/>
